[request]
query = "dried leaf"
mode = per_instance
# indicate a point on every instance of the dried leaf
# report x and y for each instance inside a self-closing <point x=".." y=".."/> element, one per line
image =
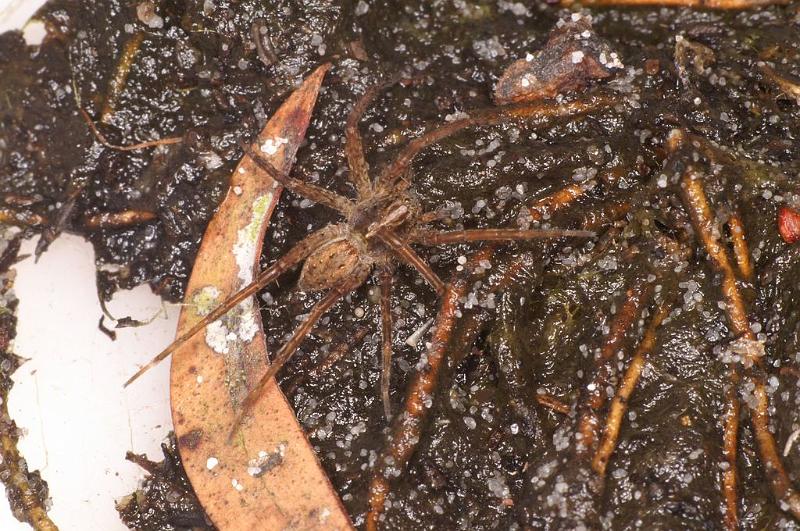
<point x="212" y="372"/>
<point x="572" y="57"/>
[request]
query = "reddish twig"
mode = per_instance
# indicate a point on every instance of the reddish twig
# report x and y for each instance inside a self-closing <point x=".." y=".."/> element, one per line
<point x="740" y="248"/>
<point x="589" y="407"/>
<point x="699" y="4"/>
<point x="619" y="405"/>
<point x="21" y="218"/>
<point x="120" y="78"/>
<point x="142" y="145"/>
<point x="552" y="403"/>
<point x="117" y="220"/>
<point x="534" y="113"/>
<point x="547" y="206"/>
<point x="704" y="224"/>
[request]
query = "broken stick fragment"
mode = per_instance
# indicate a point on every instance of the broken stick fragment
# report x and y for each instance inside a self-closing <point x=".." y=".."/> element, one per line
<point x="698" y="4"/>
<point x="572" y="57"/>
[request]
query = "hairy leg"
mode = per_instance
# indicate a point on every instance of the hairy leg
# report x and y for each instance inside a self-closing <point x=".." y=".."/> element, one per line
<point x="354" y="146"/>
<point x="407" y="254"/>
<point x="295" y="255"/>
<point x="289" y="348"/>
<point x="307" y="190"/>
<point x="338" y="352"/>
<point x="532" y="112"/>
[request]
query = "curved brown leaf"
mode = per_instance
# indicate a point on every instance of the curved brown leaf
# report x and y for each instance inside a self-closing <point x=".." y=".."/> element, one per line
<point x="269" y="477"/>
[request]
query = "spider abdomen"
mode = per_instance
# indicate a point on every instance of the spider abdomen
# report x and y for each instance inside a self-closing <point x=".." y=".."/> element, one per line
<point x="334" y="264"/>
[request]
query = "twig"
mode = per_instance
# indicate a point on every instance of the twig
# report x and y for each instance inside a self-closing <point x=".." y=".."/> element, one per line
<point x="704" y="225"/>
<point x="703" y="222"/>
<point x="740" y="249"/>
<point x="699" y="4"/>
<point x="19" y="200"/>
<point x="552" y="403"/>
<point x="590" y="405"/>
<point x="619" y="405"/>
<point x="116" y="220"/>
<point x="120" y="78"/>
<point x="547" y="206"/>
<point x="535" y="114"/>
<point x="21" y="218"/>
<point x="788" y="86"/>
<point x="26" y="489"/>
<point x="142" y="145"/>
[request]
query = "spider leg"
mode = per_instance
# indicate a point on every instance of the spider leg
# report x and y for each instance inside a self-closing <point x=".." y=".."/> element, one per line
<point x="307" y="190"/>
<point x="407" y="254"/>
<point x="289" y="348"/>
<point x="354" y="146"/>
<point x="540" y="113"/>
<point x="492" y="235"/>
<point x="335" y="354"/>
<point x="386" y="338"/>
<point x="297" y="254"/>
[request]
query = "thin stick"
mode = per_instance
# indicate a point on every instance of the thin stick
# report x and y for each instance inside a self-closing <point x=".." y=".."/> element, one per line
<point x="619" y="405"/>
<point x="699" y="4"/>
<point x="288" y="349"/>
<point x="703" y="222"/>
<point x="740" y="249"/>
<point x="21" y="218"/>
<point x="142" y="145"/>
<point x="407" y="427"/>
<point x="590" y="405"/>
<point x="788" y="86"/>
<point x="545" y="207"/>
<point x="430" y="237"/>
<point x="705" y="226"/>
<point x="386" y="339"/>
<point x="21" y="485"/>
<point x="405" y="252"/>
<point x="295" y="255"/>
<point x="730" y="441"/>
<point x="117" y="83"/>
<point x="116" y="220"/>
<point x="552" y="403"/>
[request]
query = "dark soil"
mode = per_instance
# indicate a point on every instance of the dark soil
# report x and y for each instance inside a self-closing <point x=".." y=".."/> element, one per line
<point x="491" y="456"/>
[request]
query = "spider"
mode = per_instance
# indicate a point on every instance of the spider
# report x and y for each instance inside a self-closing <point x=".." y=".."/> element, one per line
<point x="378" y="228"/>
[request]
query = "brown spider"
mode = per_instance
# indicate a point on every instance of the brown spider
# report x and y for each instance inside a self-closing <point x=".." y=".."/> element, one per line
<point x="378" y="227"/>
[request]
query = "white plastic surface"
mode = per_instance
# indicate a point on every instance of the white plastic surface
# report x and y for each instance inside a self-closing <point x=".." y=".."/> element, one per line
<point x="69" y="396"/>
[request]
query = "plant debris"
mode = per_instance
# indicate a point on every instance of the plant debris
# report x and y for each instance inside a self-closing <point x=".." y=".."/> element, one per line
<point x="26" y="491"/>
<point x="696" y="446"/>
<point x="572" y="57"/>
<point x="165" y="500"/>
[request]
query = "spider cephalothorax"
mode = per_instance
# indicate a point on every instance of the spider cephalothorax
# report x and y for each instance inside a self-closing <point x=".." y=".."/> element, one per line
<point x="377" y="230"/>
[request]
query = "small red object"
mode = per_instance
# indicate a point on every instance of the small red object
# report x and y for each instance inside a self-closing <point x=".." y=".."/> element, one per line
<point x="789" y="224"/>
